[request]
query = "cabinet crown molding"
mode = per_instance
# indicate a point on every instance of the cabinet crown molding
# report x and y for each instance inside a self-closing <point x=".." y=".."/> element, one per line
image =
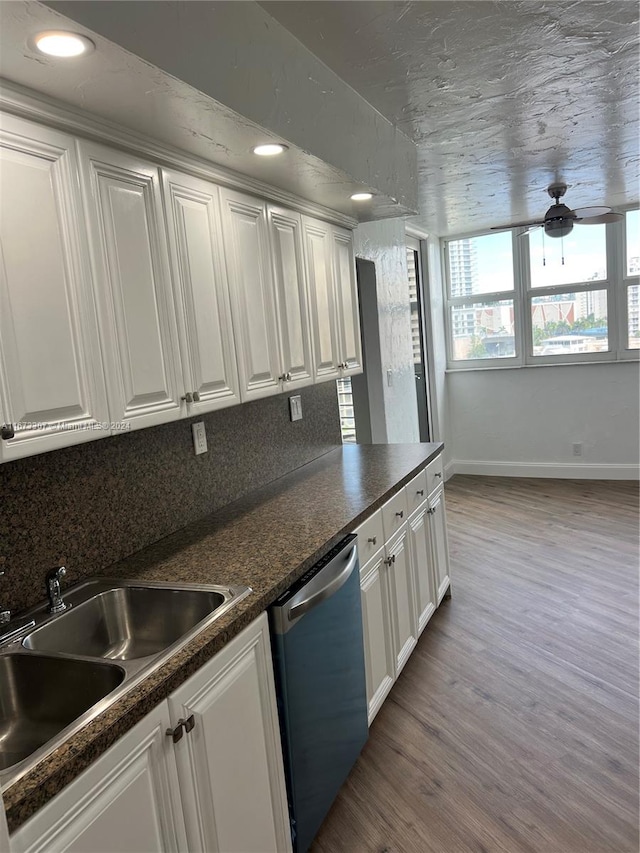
<point x="26" y="103"/>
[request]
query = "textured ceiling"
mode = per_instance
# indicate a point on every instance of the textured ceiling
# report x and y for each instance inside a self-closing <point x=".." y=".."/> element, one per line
<point x="501" y="98"/>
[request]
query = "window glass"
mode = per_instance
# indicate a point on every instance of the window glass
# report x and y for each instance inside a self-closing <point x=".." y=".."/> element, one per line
<point x="584" y="251"/>
<point x="483" y="330"/>
<point x="480" y="264"/>
<point x="570" y="323"/>
<point x="633" y="316"/>
<point x="345" y="406"/>
<point x="633" y="242"/>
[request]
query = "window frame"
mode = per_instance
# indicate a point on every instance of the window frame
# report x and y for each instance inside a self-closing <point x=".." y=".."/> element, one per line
<point x="616" y="285"/>
<point x="627" y="353"/>
<point x="496" y="296"/>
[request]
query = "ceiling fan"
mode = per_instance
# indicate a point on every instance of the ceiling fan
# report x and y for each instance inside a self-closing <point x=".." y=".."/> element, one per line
<point x="559" y="219"/>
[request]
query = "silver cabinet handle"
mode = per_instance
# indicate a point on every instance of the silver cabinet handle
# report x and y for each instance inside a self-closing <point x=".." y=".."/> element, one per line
<point x="400" y="514"/>
<point x="438" y="474"/>
<point x="188" y="397"/>
<point x="390" y="560"/>
<point x="372" y="539"/>
<point x="196" y="397"/>
<point x="283" y="378"/>
<point x="420" y="492"/>
<point x="289" y="376"/>
<point x="431" y="510"/>
<point x="7" y="432"/>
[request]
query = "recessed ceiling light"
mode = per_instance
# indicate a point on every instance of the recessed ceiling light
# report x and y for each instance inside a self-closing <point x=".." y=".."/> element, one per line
<point x="361" y="196"/>
<point x="62" y="44"/>
<point x="270" y="149"/>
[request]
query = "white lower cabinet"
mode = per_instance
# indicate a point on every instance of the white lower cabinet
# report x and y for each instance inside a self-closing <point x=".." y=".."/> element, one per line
<point x="230" y="764"/>
<point x="388" y="615"/>
<point x="422" y="558"/>
<point x="376" y="626"/>
<point x="128" y="800"/>
<point x="402" y="582"/>
<point x="220" y="787"/>
<point x="440" y="546"/>
<point x="402" y="592"/>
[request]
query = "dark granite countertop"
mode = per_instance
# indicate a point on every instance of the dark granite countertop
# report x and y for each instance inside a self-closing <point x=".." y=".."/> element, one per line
<point x="266" y="540"/>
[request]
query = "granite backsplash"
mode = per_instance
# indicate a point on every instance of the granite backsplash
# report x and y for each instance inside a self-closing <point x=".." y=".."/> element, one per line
<point x="88" y="506"/>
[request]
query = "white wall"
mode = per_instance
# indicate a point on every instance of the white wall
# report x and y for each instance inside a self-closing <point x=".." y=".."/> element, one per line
<point x="384" y="244"/>
<point x="523" y="422"/>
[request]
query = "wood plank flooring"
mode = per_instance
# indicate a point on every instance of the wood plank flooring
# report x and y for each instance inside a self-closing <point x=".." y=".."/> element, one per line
<point x="514" y="725"/>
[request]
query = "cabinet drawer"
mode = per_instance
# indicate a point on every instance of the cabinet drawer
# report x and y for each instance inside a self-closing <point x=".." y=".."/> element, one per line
<point x="416" y="491"/>
<point x="394" y="514"/>
<point x="435" y="476"/>
<point x="370" y="537"/>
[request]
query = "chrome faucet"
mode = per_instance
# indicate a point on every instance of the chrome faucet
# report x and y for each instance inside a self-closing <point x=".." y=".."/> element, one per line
<point x="56" y="602"/>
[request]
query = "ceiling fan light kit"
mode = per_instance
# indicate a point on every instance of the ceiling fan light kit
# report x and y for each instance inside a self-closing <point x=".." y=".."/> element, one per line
<point x="559" y="219"/>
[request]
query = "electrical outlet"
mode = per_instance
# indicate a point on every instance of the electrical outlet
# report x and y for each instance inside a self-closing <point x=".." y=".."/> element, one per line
<point x="295" y="408"/>
<point x="577" y="448"/>
<point x="199" y="438"/>
<point x="389" y="378"/>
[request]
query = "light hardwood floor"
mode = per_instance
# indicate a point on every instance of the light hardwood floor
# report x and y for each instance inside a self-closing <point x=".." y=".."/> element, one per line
<point x="514" y="725"/>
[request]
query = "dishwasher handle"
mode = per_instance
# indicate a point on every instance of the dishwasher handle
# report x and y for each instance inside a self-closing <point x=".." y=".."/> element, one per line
<point x="333" y="585"/>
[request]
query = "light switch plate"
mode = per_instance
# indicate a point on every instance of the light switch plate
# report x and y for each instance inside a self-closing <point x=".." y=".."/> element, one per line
<point x="199" y="438"/>
<point x="295" y="407"/>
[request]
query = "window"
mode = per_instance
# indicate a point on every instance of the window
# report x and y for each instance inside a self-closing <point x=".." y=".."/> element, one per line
<point x="481" y="298"/>
<point x="518" y="299"/>
<point x="345" y="407"/>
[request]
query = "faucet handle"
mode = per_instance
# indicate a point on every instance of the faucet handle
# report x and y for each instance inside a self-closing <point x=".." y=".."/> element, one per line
<point x="56" y="574"/>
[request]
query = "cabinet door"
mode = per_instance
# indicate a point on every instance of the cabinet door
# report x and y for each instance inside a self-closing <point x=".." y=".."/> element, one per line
<point x="230" y="763"/>
<point x="244" y="223"/>
<point x="377" y="630"/>
<point x="137" y="316"/>
<point x="285" y="229"/>
<point x="318" y="254"/>
<point x="51" y="381"/>
<point x="440" y="547"/>
<point x="402" y="596"/>
<point x="128" y="800"/>
<point x="347" y="302"/>
<point x="202" y="293"/>
<point x="422" y="561"/>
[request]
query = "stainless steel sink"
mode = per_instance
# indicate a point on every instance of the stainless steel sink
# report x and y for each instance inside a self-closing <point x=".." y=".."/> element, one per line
<point x="40" y="696"/>
<point x="55" y="670"/>
<point x="126" y="623"/>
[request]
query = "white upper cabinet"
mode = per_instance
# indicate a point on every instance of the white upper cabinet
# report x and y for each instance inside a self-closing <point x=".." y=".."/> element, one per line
<point x="137" y="316"/>
<point x="287" y="253"/>
<point x="347" y="302"/>
<point x="52" y="390"/>
<point x="201" y="291"/>
<point x="322" y="298"/>
<point x="333" y="299"/>
<point x="245" y="229"/>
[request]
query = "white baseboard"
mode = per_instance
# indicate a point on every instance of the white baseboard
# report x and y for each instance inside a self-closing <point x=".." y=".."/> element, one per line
<point x="556" y="470"/>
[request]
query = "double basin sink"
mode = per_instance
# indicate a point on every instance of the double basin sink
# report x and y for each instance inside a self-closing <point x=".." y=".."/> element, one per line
<point x="59" y="672"/>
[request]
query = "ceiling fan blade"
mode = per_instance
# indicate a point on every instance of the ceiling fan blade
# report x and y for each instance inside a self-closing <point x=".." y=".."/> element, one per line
<point x="532" y="229"/>
<point x="517" y="225"/>
<point x="598" y="220"/>
<point x="581" y="212"/>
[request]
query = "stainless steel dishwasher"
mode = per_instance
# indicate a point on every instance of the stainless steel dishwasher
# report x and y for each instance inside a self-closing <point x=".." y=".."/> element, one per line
<point x="320" y="680"/>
